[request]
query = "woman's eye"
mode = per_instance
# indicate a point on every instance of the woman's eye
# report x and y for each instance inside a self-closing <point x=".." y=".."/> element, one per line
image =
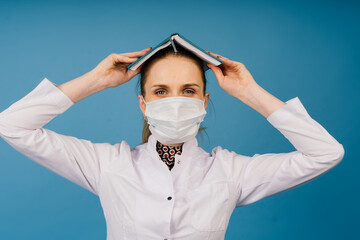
<point x="189" y="91"/>
<point x="160" y="92"/>
<point x="186" y="91"/>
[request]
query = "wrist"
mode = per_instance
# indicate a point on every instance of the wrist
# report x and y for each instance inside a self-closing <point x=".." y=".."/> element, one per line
<point x="95" y="81"/>
<point x="249" y="93"/>
<point x="260" y="100"/>
<point x="82" y="87"/>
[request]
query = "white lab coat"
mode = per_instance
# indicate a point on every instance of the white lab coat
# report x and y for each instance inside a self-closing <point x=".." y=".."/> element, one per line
<point x="135" y="186"/>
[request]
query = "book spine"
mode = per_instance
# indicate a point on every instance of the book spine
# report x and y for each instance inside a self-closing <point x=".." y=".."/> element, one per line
<point x="173" y="44"/>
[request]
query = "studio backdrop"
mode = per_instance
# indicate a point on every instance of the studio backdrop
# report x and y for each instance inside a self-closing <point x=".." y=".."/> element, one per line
<point x="305" y="49"/>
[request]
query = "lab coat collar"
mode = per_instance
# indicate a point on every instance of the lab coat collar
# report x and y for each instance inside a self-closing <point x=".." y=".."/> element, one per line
<point x="192" y="159"/>
<point x="188" y="149"/>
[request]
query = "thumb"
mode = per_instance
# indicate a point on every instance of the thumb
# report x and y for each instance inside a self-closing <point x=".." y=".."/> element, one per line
<point x="132" y="73"/>
<point x="217" y="71"/>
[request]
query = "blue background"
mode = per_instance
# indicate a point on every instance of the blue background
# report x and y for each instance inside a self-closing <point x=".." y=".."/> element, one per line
<point x="305" y="49"/>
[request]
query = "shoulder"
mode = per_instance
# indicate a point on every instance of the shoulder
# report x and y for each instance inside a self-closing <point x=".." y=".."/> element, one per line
<point x="108" y="152"/>
<point x="135" y="151"/>
<point x="112" y="149"/>
<point x="232" y="163"/>
<point x="227" y="155"/>
<point x="232" y="160"/>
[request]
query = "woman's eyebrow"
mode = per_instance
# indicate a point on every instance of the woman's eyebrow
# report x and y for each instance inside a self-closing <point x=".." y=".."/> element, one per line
<point x="159" y="85"/>
<point x="185" y="85"/>
<point x="191" y="84"/>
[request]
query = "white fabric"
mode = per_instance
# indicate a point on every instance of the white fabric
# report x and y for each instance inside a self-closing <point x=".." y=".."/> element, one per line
<point x="174" y="120"/>
<point x="134" y="185"/>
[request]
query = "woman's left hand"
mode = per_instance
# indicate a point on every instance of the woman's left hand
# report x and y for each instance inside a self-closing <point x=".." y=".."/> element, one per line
<point x="233" y="77"/>
<point x="237" y="81"/>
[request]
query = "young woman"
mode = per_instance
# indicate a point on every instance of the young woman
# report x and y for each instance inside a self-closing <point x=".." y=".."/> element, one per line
<point x="168" y="187"/>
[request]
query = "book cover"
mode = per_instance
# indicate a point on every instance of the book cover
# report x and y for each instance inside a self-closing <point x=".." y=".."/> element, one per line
<point x="177" y="39"/>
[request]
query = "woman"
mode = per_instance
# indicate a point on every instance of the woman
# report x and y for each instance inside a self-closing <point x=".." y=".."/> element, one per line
<point x="168" y="187"/>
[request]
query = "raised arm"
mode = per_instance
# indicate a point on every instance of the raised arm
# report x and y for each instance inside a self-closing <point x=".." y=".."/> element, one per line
<point x="109" y="73"/>
<point x="78" y="160"/>
<point x="316" y="153"/>
<point x="263" y="175"/>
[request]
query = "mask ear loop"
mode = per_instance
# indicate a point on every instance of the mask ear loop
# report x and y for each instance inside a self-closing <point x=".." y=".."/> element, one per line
<point x="145" y="103"/>
<point x="143" y="98"/>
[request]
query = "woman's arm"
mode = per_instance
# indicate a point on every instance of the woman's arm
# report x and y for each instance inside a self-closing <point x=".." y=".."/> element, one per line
<point x="111" y="72"/>
<point x="82" y="87"/>
<point x="21" y="126"/>
<point x="260" y="100"/>
<point x="238" y="82"/>
<point x="78" y="160"/>
<point x="317" y="152"/>
<point x="263" y="175"/>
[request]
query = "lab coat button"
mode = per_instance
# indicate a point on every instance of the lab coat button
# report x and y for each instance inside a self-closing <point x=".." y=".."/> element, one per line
<point x="169" y="198"/>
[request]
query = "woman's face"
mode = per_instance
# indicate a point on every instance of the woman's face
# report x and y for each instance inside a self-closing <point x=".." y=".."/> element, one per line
<point x="173" y="77"/>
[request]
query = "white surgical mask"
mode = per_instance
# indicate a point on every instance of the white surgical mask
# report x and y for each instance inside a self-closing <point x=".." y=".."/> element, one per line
<point x="174" y="120"/>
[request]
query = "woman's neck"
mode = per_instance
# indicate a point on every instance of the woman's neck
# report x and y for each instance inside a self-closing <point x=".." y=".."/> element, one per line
<point x="172" y="145"/>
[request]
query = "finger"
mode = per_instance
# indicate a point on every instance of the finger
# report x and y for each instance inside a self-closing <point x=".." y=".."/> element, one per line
<point x="217" y="71"/>
<point x="226" y="61"/>
<point x="132" y="73"/>
<point x="218" y="55"/>
<point x="120" y="58"/>
<point x="214" y="54"/>
<point x="138" y="53"/>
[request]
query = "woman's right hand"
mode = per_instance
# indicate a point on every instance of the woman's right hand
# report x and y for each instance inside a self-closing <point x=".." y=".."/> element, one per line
<point x="112" y="71"/>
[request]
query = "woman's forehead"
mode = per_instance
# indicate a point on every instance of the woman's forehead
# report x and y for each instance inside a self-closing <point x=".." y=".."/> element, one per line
<point x="174" y="71"/>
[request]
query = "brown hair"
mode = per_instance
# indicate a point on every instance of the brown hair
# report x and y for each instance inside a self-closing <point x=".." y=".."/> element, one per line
<point x="163" y="53"/>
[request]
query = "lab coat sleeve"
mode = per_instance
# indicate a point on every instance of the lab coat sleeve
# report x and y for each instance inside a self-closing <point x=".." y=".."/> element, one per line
<point x="317" y="152"/>
<point x="21" y="126"/>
